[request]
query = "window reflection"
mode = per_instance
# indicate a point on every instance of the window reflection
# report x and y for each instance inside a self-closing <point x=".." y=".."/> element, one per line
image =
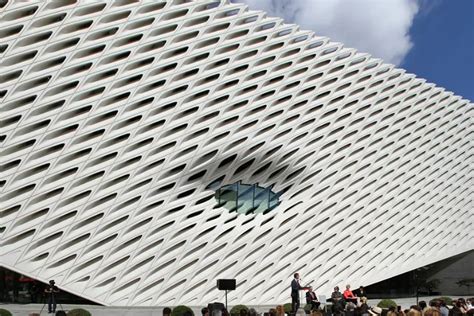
<point x="19" y="289"/>
<point x="247" y="198"/>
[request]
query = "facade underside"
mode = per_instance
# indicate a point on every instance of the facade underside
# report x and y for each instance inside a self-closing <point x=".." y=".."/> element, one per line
<point x="150" y="148"/>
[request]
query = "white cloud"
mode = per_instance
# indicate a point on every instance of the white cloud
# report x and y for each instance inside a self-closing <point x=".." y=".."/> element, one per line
<point x="378" y="27"/>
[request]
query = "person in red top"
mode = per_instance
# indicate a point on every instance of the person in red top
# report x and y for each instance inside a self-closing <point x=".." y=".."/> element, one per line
<point x="348" y="293"/>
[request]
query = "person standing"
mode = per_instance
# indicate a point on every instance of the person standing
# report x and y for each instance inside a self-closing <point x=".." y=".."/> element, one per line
<point x="51" y="291"/>
<point x="295" y="293"/>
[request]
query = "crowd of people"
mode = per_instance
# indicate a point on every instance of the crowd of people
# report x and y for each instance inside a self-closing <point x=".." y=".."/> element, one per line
<point x="346" y="303"/>
<point x="345" y="306"/>
<point x="349" y="303"/>
<point x="436" y="307"/>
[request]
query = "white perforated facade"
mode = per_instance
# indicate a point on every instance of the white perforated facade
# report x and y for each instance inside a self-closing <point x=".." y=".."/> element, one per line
<point x="116" y="117"/>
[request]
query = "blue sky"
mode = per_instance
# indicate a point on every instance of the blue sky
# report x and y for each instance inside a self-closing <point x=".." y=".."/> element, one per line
<point x="443" y="46"/>
<point x="433" y="39"/>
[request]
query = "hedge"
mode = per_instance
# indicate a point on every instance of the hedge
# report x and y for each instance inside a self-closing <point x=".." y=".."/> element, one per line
<point x="386" y="303"/>
<point x="288" y="308"/>
<point x="181" y="310"/>
<point x="4" y="312"/>
<point x="78" y="312"/>
<point x="446" y="299"/>
<point x="235" y="311"/>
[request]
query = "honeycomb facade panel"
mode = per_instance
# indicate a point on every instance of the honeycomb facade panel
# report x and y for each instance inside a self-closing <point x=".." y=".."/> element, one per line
<point x="120" y="120"/>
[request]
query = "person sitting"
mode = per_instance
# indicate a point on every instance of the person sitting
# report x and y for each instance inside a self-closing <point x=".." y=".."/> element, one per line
<point x="375" y="311"/>
<point x="348" y="293"/>
<point x="350" y="309"/>
<point x="361" y="292"/>
<point x="456" y="309"/>
<point x="363" y="308"/>
<point x="337" y="302"/>
<point x="469" y="304"/>
<point x="316" y="313"/>
<point x="391" y="311"/>
<point x="432" y="311"/>
<point x="336" y="295"/>
<point x="463" y="303"/>
<point x="423" y="306"/>
<point x="312" y="299"/>
<point x="413" y="312"/>
<point x="280" y="310"/>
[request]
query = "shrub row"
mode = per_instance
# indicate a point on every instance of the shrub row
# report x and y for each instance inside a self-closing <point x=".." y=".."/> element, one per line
<point x="4" y="312"/>
<point x="78" y="312"/>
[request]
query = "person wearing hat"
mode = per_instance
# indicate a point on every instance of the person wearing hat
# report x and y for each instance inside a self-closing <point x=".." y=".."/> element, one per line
<point x="51" y="290"/>
<point x="375" y="311"/>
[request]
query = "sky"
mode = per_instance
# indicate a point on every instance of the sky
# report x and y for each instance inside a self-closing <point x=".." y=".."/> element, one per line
<point x="433" y="39"/>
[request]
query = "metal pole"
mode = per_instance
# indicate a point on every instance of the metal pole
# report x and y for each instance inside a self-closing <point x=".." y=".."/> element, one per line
<point x="416" y="285"/>
<point x="236" y="206"/>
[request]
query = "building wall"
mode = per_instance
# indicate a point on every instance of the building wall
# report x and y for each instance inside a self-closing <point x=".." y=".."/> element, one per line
<point x="119" y="119"/>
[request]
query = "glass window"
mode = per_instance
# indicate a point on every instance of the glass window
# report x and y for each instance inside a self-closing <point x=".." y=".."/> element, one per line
<point x="247" y="198"/>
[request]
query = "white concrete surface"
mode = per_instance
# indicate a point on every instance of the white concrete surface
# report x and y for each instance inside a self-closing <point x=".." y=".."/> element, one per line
<point x="120" y="120"/>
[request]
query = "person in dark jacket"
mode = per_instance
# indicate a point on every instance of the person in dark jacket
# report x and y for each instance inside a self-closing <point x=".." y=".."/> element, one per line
<point x="337" y="302"/>
<point x="456" y="310"/>
<point x="295" y="293"/>
<point x="51" y="291"/>
<point x="312" y="299"/>
<point x="363" y="308"/>
<point x="361" y="292"/>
